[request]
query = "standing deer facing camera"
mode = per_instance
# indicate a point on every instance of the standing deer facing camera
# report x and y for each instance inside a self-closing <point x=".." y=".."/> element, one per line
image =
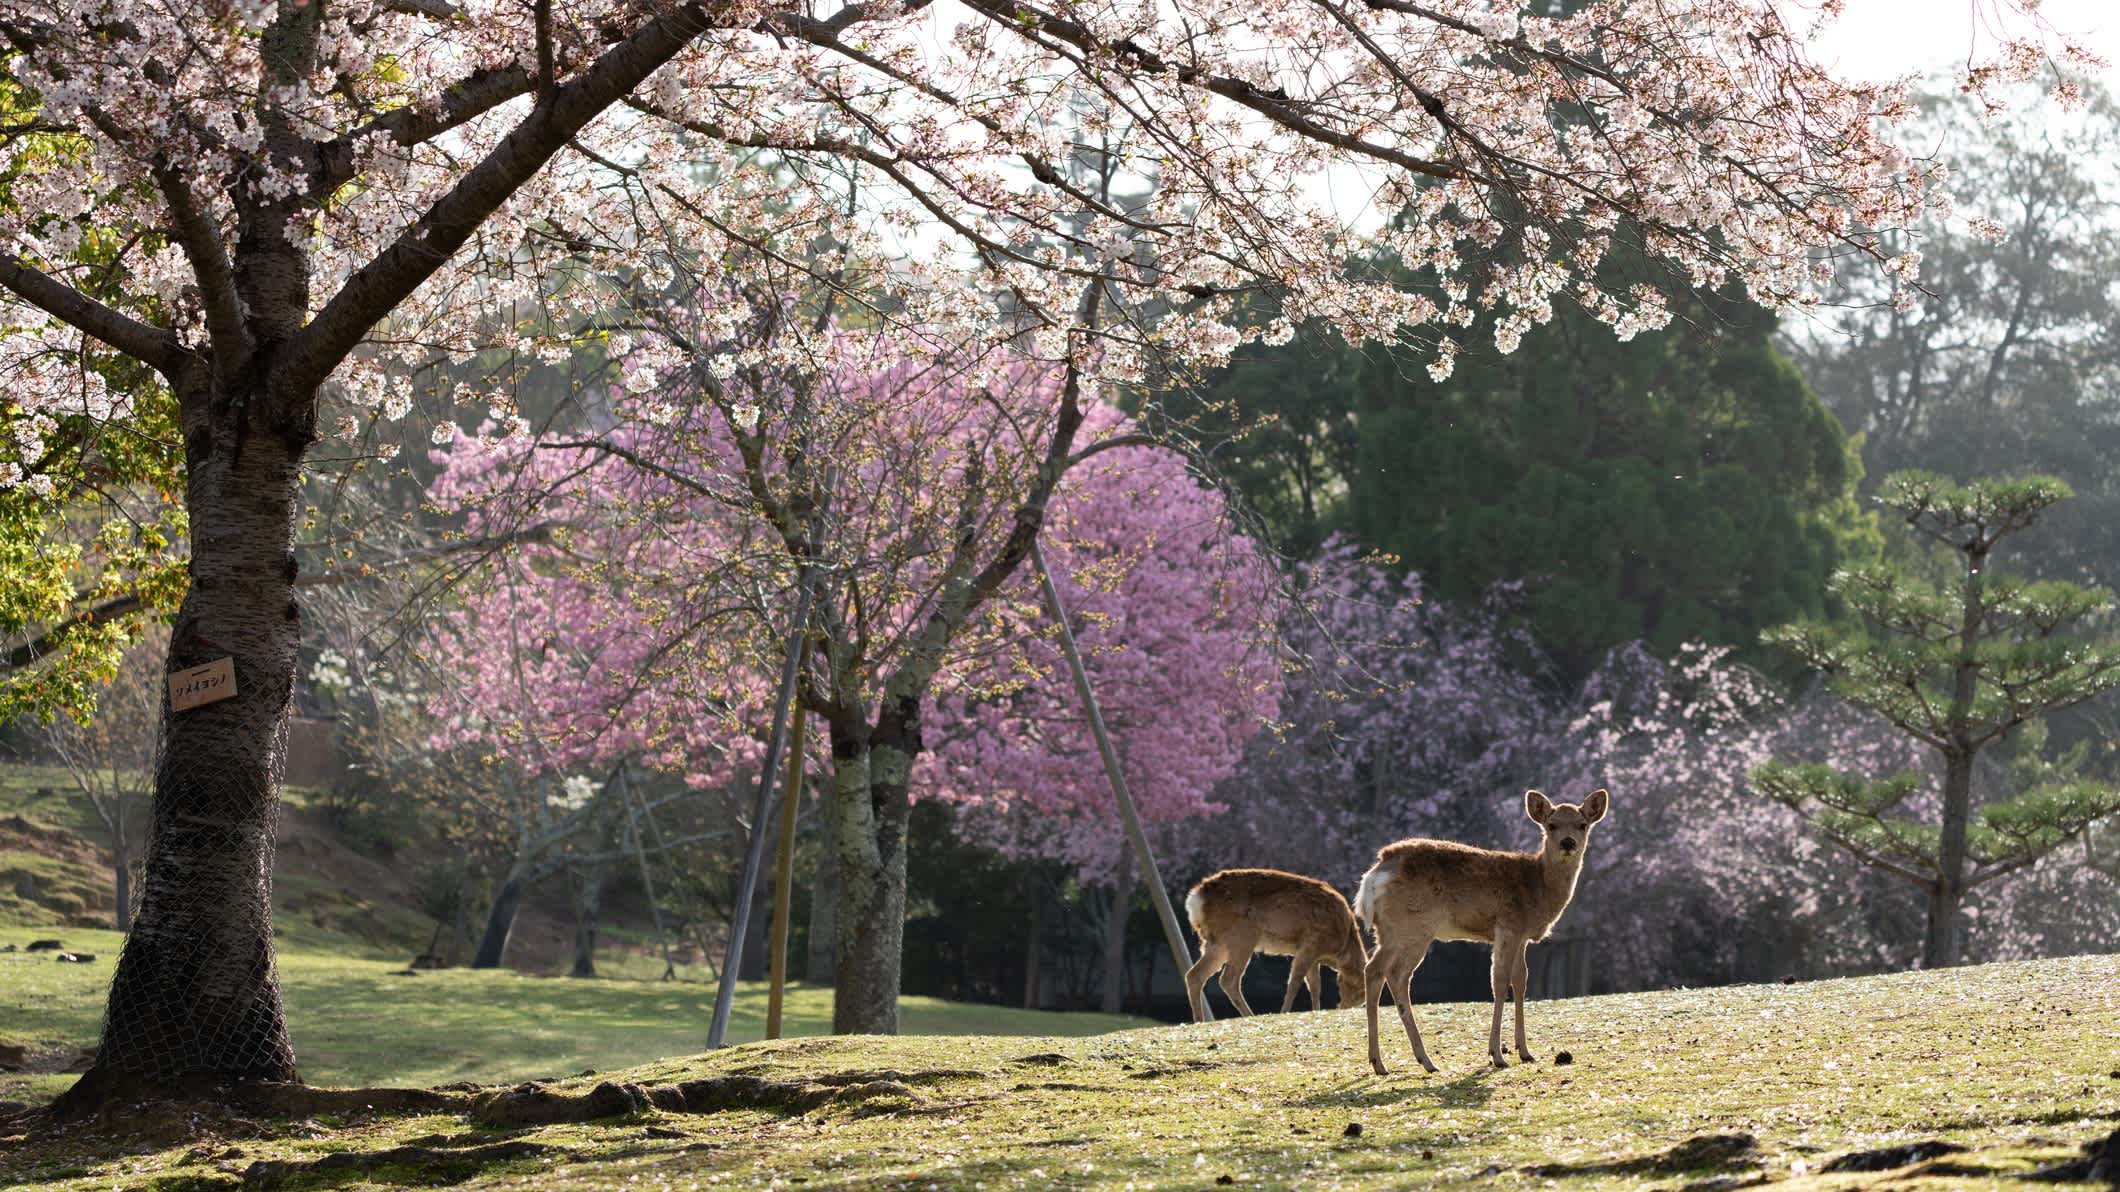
<point x="1420" y="891"/>
<point x="1240" y="911"/>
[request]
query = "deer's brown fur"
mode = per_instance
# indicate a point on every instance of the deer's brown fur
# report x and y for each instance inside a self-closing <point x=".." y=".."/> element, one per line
<point x="1420" y="891"/>
<point x="1241" y="911"/>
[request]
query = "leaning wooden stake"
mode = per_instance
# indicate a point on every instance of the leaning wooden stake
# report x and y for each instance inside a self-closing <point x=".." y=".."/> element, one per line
<point x="647" y="879"/>
<point x="1179" y="952"/>
<point x="754" y="856"/>
<point x="784" y="878"/>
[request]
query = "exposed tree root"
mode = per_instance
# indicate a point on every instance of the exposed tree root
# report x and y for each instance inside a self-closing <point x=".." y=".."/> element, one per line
<point x="917" y="1076"/>
<point x="537" y="1105"/>
<point x="1704" y="1152"/>
<point x="301" y="1100"/>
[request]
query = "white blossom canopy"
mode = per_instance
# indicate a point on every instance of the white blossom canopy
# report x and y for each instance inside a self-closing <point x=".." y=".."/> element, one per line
<point x="456" y="173"/>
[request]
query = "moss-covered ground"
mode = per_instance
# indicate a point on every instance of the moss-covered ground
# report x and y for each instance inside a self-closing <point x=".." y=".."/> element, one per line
<point x="1969" y="1077"/>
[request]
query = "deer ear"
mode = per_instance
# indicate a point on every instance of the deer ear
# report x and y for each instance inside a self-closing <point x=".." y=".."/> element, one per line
<point x="1537" y="806"/>
<point x="1596" y="805"/>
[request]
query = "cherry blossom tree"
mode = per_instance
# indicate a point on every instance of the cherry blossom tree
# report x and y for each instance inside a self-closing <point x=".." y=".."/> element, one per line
<point x="932" y="667"/>
<point x="1407" y="715"/>
<point x="556" y="676"/>
<point x="1402" y="714"/>
<point x="1171" y="609"/>
<point x="315" y="197"/>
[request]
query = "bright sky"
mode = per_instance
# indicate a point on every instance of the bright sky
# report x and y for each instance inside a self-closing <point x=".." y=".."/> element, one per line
<point x="1880" y="39"/>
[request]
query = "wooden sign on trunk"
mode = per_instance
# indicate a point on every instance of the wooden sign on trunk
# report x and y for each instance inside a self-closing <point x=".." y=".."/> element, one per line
<point x="205" y="684"/>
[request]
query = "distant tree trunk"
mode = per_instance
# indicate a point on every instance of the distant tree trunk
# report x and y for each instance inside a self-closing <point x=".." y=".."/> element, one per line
<point x="1943" y="945"/>
<point x="1115" y="934"/>
<point x="121" y="866"/>
<point x="460" y="925"/>
<point x="500" y="920"/>
<point x="588" y="887"/>
<point x="120" y="823"/>
<point x="824" y="906"/>
<point x="757" y="951"/>
<point x="1034" y="939"/>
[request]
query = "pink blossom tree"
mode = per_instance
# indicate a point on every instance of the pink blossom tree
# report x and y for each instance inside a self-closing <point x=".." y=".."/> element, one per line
<point x="319" y="197"/>
<point x="1171" y="609"/>
<point x="552" y="683"/>
<point x="933" y="671"/>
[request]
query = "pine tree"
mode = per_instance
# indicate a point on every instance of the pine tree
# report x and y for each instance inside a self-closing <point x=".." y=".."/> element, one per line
<point x="1959" y="670"/>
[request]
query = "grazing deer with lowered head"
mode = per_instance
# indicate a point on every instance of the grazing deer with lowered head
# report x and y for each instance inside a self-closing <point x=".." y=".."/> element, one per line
<point x="1420" y="891"/>
<point x="1240" y="911"/>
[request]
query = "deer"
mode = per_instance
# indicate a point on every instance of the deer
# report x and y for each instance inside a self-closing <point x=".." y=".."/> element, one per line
<point x="1241" y="911"/>
<point x="1420" y="891"/>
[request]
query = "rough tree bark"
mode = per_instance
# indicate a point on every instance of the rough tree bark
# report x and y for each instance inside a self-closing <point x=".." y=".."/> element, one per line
<point x="872" y="805"/>
<point x="195" y="1003"/>
<point x="1942" y="944"/>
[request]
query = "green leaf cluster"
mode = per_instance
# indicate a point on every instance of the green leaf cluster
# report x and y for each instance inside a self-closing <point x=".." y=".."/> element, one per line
<point x="1683" y="486"/>
<point x="1960" y="664"/>
<point x="96" y="544"/>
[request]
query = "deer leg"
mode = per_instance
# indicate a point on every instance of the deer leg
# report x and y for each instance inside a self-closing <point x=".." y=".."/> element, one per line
<point x="1519" y="980"/>
<point x="1233" y="980"/>
<point x="1402" y="994"/>
<point x="1298" y="965"/>
<point x="1196" y="978"/>
<point x="1315" y="979"/>
<point x="1372" y="993"/>
<point x="1504" y="965"/>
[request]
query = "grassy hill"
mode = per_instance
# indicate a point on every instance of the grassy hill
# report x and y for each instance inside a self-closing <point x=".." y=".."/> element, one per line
<point x="1969" y="1077"/>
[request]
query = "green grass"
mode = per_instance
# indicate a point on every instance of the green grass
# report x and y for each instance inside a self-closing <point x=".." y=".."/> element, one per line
<point x="64" y="890"/>
<point x="357" y="1023"/>
<point x="47" y="794"/>
<point x="2014" y="1062"/>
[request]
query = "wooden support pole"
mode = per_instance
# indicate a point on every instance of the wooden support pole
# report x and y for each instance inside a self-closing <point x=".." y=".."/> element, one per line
<point x="784" y="877"/>
<point x="1180" y="952"/>
<point x="754" y="855"/>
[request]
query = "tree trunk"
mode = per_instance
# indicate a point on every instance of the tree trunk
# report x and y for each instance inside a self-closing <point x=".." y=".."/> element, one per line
<point x="1943" y="944"/>
<point x="500" y="921"/>
<point x="823" y="946"/>
<point x="121" y="874"/>
<point x="195" y="1001"/>
<point x="1034" y="940"/>
<point x="1113" y="993"/>
<point x="757" y="948"/>
<point x="872" y="804"/>
<point x="588" y="899"/>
